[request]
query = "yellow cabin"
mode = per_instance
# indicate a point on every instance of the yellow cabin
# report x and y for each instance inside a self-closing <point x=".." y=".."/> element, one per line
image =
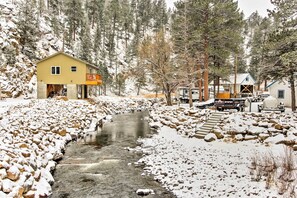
<point x="62" y="74"/>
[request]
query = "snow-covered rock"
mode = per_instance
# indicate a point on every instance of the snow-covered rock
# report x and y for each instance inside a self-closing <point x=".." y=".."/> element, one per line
<point x="210" y="137"/>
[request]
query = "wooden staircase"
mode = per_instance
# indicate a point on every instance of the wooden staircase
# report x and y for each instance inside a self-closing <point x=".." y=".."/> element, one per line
<point x="206" y="128"/>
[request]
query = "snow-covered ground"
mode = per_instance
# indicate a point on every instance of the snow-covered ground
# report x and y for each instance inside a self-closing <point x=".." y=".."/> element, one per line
<point x="190" y="167"/>
<point x="33" y="135"/>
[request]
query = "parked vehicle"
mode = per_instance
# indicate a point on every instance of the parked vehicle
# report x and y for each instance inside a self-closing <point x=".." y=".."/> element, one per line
<point x="271" y="104"/>
<point x="263" y="95"/>
<point x="230" y="103"/>
<point x="183" y="94"/>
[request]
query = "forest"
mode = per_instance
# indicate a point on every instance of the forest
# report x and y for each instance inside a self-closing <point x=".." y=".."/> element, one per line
<point x="159" y="48"/>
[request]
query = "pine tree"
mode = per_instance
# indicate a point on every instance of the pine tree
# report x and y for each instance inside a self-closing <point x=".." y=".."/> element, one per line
<point x="28" y="27"/>
<point x="183" y="35"/>
<point x="74" y="13"/>
<point x="216" y="34"/>
<point x="86" y="41"/>
<point x="258" y="28"/>
<point x="281" y="45"/>
<point x="54" y="7"/>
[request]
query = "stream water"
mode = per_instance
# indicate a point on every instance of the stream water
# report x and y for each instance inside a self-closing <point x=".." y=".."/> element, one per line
<point x="98" y="166"/>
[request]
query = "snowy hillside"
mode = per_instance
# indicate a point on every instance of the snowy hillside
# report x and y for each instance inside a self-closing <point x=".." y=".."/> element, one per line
<point x="32" y="30"/>
<point x="18" y="70"/>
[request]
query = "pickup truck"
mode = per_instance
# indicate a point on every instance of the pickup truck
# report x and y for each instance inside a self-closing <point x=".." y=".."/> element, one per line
<point x="230" y="103"/>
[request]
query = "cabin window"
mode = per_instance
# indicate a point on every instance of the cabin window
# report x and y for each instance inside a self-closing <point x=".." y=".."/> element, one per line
<point x="73" y="68"/>
<point x="56" y="70"/>
<point x="281" y="94"/>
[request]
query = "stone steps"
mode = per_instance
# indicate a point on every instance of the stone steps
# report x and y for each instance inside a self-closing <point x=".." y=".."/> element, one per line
<point x="213" y="120"/>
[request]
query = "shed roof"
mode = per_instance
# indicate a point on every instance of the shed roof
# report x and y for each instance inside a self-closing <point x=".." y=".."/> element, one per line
<point x="58" y="53"/>
<point x="240" y="79"/>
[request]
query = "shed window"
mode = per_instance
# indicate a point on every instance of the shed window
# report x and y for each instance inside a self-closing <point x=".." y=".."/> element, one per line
<point x="73" y="68"/>
<point x="281" y="94"/>
<point x="56" y="70"/>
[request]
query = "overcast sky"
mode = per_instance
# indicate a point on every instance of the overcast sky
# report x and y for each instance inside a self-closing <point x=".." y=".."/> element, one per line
<point x="248" y="6"/>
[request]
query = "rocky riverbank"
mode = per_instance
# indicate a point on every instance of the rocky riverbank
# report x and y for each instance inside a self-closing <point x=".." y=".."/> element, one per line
<point x="33" y="136"/>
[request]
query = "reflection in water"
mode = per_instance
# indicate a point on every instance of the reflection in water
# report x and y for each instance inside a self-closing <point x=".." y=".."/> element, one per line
<point x="124" y="127"/>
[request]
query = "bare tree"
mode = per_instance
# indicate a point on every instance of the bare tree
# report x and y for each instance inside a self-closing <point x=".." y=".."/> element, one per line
<point x="156" y="52"/>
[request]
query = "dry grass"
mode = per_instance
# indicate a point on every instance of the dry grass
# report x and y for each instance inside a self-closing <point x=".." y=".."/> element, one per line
<point x="61" y="98"/>
<point x="278" y="171"/>
<point x="154" y="95"/>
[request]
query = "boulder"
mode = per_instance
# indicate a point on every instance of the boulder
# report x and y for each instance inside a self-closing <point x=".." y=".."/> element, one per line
<point x="13" y="173"/>
<point x="210" y="137"/>
<point x="144" y="192"/>
<point x="7" y="185"/>
<point x="278" y="127"/>
<point x="239" y="137"/>
<point x="263" y="136"/>
<point x="250" y="137"/>
<point x="276" y="139"/>
<point x="218" y="133"/>
<point x="3" y="173"/>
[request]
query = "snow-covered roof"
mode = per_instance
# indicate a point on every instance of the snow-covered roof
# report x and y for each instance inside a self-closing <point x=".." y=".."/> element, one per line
<point x="270" y="84"/>
<point x="241" y="79"/>
<point x="244" y="78"/>
<point x="58" y="53"/>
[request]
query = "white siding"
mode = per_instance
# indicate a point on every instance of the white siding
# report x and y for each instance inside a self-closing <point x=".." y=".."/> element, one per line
<point x="274" y="88"/>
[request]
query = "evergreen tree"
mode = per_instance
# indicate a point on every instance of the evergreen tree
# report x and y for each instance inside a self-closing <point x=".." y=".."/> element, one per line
<point x="54" y="7"/>
<point x="215" y="32"/>
<point x="86" y="41"/>
<point x="282" y="45"/>
<point x="160" y="15"/>
<point x="28" y="27"/>
<point x="183" y="35"/>
<point x="74" y="13"/>
<point x="259" y="29"/>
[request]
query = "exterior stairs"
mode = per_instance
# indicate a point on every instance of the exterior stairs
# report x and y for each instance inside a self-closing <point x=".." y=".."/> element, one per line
<point x="206" y="128"/>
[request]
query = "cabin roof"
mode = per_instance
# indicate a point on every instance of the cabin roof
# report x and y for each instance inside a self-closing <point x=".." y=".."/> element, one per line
<point x="58" y="53"/>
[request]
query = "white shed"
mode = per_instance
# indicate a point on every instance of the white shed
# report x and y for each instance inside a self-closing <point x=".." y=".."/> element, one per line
<point x="245" y="84"/>
<point x="281" y="90"/>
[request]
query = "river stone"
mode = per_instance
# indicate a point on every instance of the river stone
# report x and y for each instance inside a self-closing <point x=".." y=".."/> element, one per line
<point x="144" y="192"/>
<point x="218" y="133"/>
<point x="13" y="173"/>
<point x="263" y="136"/>
<point x="278" y="127"/>
<point x="276" y="139"/>
<point x="239" y="137"/>
<point x="30" y="194"/>
<point x="250" y="137"/>
<point x="210" y="137"/>
<point x="3" y="173"/>
<point x="263" y="124"/>
<point x="62" y="132"/>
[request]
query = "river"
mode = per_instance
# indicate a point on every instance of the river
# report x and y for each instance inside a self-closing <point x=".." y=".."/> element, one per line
<point x="100" y="167"/>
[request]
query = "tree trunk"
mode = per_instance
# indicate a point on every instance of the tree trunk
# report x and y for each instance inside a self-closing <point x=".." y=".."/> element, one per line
<point x="214" y="87"/>
<point x="235" y="77"/>
<point x="190" y="96"/>
<point x="167" y="94"/>
<point x="199" y="83"/>
<point x="205" y="68"/>
<point x="293" y="97"/>
<point x="265" y="85"/>
<point x="138" y="90"/>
